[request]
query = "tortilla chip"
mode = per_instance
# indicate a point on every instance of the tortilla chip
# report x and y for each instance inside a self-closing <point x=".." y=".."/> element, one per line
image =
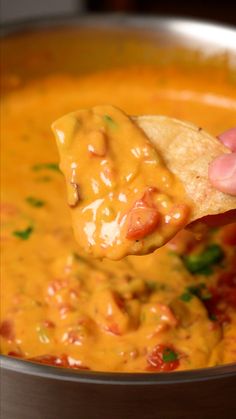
<point x="187" y="151"/>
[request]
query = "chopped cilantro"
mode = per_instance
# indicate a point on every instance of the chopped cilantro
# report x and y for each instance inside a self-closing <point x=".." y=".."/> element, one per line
<point x="35" y="202"/>
<point x="202" y="263"/>
<point x="196" y="289"/>
<point x="46" y="166"/>
<point x="110" y="121"/>
<point x="200" y="291"/>
<point x="186" y="296"/>
<point x="23" y="234"/>
<point x="155" y="286"/>
<point x="206" y="271"/>
<point x="169" y="355"/>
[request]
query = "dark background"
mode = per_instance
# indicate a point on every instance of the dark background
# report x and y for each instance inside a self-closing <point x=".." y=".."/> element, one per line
<point x="218" y="10"/>
<point x="222" y="11"/>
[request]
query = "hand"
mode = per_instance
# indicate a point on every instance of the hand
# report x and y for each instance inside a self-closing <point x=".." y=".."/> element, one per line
<point x="222" y="175"/>
<point x="222" y="171"/>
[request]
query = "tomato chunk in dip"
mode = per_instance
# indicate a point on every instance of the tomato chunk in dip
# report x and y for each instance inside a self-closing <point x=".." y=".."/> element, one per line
<point x="123" y="199"/>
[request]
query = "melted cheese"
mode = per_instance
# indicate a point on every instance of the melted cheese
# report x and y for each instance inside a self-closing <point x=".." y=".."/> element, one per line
<point x="113" y="316"/>
<point x="123" y="199"/>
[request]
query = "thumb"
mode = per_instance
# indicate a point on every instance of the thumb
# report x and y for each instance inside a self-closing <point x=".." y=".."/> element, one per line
<point x="222" y="173"/>
<point x="228" y="138"/>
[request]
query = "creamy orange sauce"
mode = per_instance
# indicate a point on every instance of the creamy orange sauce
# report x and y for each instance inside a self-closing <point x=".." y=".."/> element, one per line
<point x="144" y="313"/>
<point x="123" y="199"/>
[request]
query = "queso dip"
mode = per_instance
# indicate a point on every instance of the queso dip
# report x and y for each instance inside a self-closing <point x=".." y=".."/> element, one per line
<point x="172" y="310"/>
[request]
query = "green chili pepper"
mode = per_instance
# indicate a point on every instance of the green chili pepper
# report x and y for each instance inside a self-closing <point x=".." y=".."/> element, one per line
<point x="23" y="234"/>
<point x="202" y="263"/>
<point x="35" y="202"/>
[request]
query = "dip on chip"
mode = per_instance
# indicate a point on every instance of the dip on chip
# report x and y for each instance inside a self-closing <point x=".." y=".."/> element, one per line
<point x="133" y="183"/>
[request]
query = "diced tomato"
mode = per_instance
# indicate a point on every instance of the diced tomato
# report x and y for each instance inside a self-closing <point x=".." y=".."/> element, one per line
<point x="14" y="354"/>
<point x="113" y="328"/>
<point x="162" y="358"/>
<point x="227" y="287"/>
<point x="147" y="198"/>
<point x="107" y="309"/>
<point x="228" y="235"/>
<point x="6" y="330"/>
<point x="143" y="217"/>
<point x="219" y="315"/>
<point x="119" y="300"/>
<point x="51" y="360"/>
<point x="62" y="361"/>
<point x="232" y="262"/>
<point x="227" y="279"/>
<point x="223" y="295"/>
<point x="142" y="222"/>
<point x="48" y="324"/>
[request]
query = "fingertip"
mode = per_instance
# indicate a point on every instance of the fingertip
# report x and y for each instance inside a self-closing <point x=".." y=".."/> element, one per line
<point x="228" y="138"/>
<point x="222" y="173"/>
